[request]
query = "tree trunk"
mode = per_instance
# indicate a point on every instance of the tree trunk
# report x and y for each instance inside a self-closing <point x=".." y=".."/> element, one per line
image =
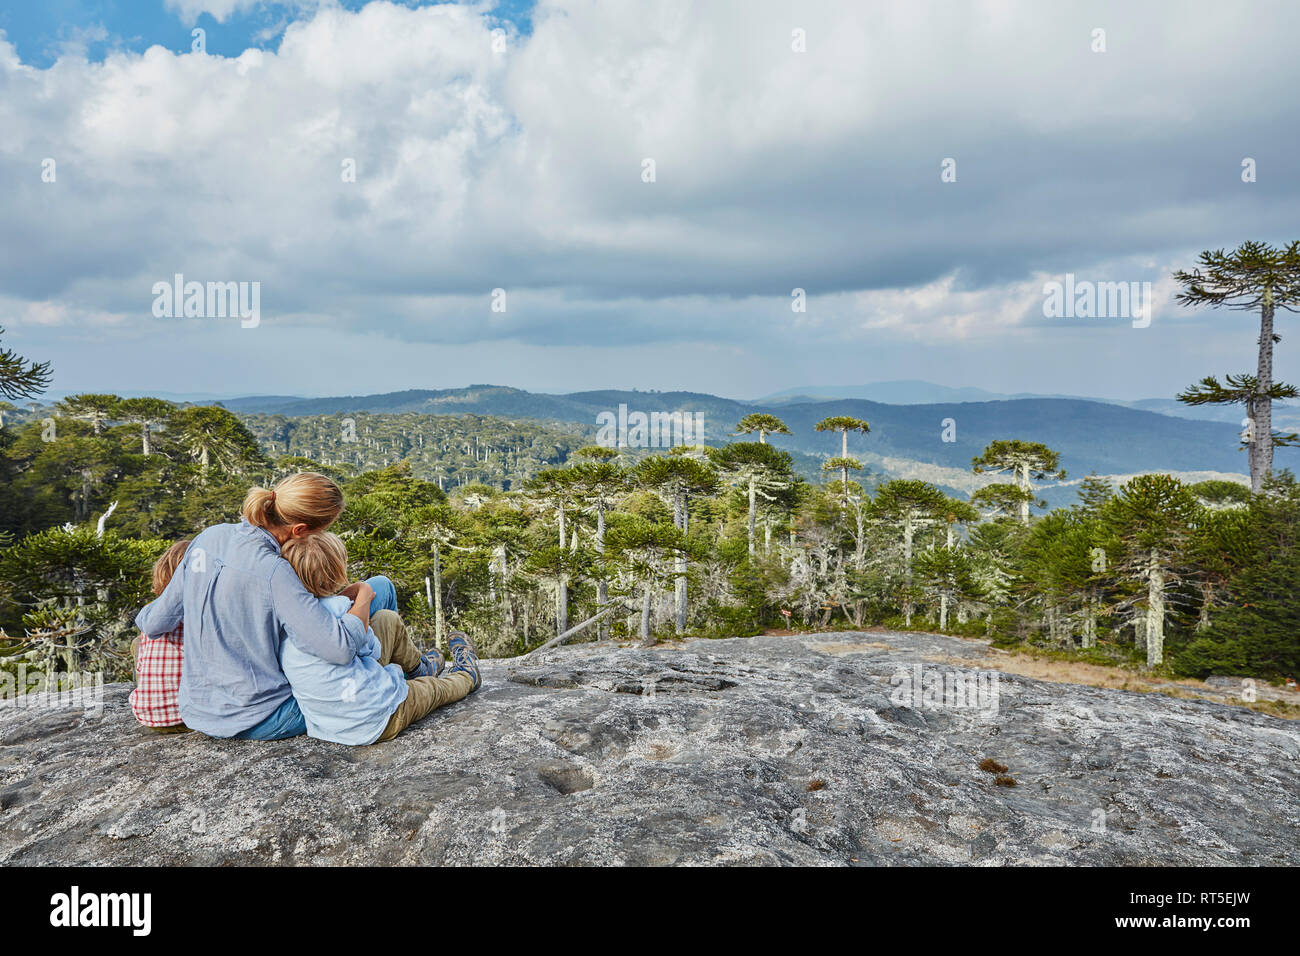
<point x="859" y="545"/>
<point x="1155" y="612"/>
<point x="907" y="570"/>
<point x="1261" y="450"/>
<point x="561" y="586"/>
<point x="437" y="597"/>
<point x="1022" y="479"/>
<point x="681" y="518"/>
<point x="145" y="449"/>
<point x="602" y="586"/>
<point x="753" y="512"/>
<point x="1090" y="623"/>
<point x="646" y="602"/>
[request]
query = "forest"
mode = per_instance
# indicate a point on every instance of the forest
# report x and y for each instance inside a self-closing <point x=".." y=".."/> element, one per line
<point x="519" y="532"/>
<point x="706" y="541"/>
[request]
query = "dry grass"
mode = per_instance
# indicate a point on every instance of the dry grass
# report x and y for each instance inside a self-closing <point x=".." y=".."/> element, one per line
<point x="989" y="765"/>
<point x="817" y="784"/>
<point x="1056" y="671"/>
<point x="1002" y="780"/>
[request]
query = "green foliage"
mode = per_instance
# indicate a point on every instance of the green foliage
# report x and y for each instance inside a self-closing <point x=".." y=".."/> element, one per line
<point x="516" y="530"/>
<point x="1255" y="633"/>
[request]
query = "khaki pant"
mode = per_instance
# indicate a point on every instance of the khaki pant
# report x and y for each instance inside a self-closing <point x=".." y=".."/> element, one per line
<point x="423" y="694"/>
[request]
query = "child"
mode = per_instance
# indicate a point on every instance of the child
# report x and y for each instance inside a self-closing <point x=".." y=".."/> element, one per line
<point x="376" y="696"/>
<point x="158" y="660"/>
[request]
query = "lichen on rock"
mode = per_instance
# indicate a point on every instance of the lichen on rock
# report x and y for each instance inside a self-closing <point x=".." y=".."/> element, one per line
<point x="767" y="750"/>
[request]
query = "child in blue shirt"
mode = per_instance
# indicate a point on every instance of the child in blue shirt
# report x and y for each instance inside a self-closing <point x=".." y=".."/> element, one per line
<point x="389" y="685"/>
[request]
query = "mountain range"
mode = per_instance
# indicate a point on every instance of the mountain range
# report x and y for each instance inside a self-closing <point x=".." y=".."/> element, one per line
<point x="906" y="440"/>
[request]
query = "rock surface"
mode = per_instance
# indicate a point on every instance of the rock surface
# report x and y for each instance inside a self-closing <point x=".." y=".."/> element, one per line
<point x="768" y="750"/>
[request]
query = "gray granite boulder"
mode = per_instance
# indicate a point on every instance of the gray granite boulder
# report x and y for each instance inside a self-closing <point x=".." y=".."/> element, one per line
<point x="842" y="749"/>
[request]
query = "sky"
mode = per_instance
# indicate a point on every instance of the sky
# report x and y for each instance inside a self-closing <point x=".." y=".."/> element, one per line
<point x="728" y="197"/>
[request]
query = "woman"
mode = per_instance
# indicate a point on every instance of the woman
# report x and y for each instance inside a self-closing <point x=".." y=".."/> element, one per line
<point x="239" y="599"/>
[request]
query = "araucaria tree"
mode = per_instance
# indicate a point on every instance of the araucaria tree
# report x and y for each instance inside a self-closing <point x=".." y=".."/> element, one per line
<point x="908" y="506"/>
<point x="762" y="423"/>
<point x="760" y="469"/>
<point x="844" y="462"/>
<point x="1152" y="519"/>
<point x="676" y="479"/>
<point x="20" y="378"/>
<point x="1253" y="276"/>
<point x="1024" y="460"/>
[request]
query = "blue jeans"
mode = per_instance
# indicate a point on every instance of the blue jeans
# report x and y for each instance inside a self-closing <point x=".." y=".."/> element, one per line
<point x="385" y="598"/>
<point x="287" y="720"/>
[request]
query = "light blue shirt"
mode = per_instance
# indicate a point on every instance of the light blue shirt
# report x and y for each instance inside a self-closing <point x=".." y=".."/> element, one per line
<point x="344" y="703"/>
<point x="239" y="600"/>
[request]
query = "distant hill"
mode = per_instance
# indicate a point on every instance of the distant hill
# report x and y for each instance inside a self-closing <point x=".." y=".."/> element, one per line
<point x="901" y="392"/>
<point x="914" y="392"/>
<point x="1090" y="435"/>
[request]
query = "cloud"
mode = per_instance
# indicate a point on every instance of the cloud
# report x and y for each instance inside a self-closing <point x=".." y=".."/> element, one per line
<point x="220" y="10"/>
<point x="521" y="168"/>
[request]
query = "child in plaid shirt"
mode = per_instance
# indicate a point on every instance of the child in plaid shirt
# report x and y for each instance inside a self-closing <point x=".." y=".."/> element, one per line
<point x="158" y="660"/>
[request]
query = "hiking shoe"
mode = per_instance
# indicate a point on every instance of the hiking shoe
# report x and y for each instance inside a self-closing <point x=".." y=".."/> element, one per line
<point x="431" y="665"/>
<point x="463" y="656"/>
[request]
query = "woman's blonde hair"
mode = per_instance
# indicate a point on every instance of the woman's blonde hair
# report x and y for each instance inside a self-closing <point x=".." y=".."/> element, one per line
<point x="167" y="563"/>
<point x="321" y="561"/>
<point x="305" y="498"/>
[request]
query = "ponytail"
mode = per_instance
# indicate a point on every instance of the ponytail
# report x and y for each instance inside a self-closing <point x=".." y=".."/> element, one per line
<point x="305" y="498"/>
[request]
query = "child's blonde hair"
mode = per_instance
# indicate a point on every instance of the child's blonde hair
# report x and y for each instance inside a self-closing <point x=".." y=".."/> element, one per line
<point x="167" y="563"/>
<point x="321" y="561"/>
<point x="305" y="498"/>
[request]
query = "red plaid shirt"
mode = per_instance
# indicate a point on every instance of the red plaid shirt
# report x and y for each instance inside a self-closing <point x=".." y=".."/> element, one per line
<point x="157" y="679"/>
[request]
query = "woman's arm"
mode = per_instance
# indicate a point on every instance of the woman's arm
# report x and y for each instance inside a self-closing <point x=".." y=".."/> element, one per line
<point x="165" y="612"/>
<point x="315" y="630"/>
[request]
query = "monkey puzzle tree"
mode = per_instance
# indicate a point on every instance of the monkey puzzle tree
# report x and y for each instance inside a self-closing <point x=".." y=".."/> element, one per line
<point x="949" y="572"/>
<point x="1063" y="563"/>
<point x="758" y="468"/>
<point x="844" y="462"/>
<point x="555" y="488"/>
<point x="1001" y="500"/>
<point x="1219" y="547"/>
<point x="1024" y="460"/>
<point x="1255" y="632"/>
<point x="213" y="436"/>
<point x="1253" y="276"/>
<point x="1244" y="390"/>
<point x="908" y="505"/>
<point x="762" y="423"/>
<point x="597" y="482"/>
<point x="436" y="527"/>
<point x="89" y="407"/>
<point x="676" y="479"/>
<point x="145" y="412"/>
<point x="1217" y="493"/>
<point x="642" y="547"/>
<point x="1152" y="518"/>
<point x="20" y="378"/>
